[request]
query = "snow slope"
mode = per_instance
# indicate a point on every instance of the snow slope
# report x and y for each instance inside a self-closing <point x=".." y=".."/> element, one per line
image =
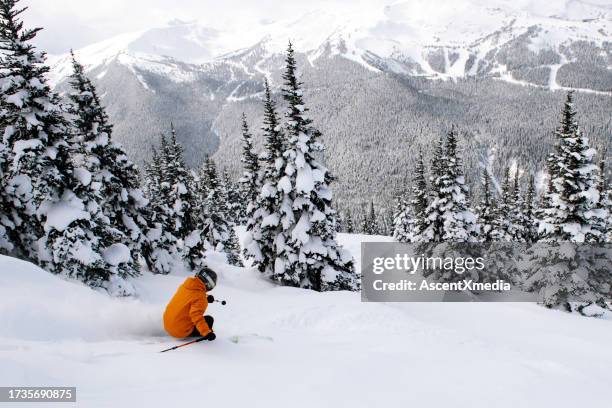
<point x="279" y="347"/>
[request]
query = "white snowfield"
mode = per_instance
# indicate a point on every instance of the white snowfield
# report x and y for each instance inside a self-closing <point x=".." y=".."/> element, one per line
<point x="286" y="347"/>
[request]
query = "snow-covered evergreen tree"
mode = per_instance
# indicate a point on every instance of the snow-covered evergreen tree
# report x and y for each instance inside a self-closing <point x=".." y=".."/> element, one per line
<point x="386" y="227"/>
<point x="419" y="201"/>
<point x="114" y="177"/>
<point x="410" y="220"/>
<point x="6" y="225"/>
<point x="33" y="130"/>
<point x="250" y="180"/>
<point x="448" y="214"/>
<point x="214" y="227"/>
<point x="339" y="221"/>
<point x="179" y="179"/>
<point x="56" y="209"/>
<point x="530" y="213"/>
<point x="402" y="218"/>
<point x="152" y="174"/>
<point x="369" y="223"/>
<point x="350" y="226"/>
<point x="307" y="253"/>
<point x="201" y="184"/>
<point x="195" y="244"/>
<point x="486" y="209"/>
<point x="516" y="211"/>
<point x="501" y="254"/>
<point x="434" y="223"/>
<point x="605" y="194"/>
<point x="79" y="241"/>
<point x="572" y="213"/>
<point x="502" y="222"/>
<point x="163" y="240"/>
<point x="263" y="224"/>
<point x="232" y="195"/>
<point x="180" y="207"/>
<point x="233" y="249"/>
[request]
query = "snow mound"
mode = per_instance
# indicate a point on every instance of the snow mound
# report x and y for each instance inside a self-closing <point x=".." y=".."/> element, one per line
<point x="117" y="254"/>
<point x="63" y="213"/>
<point x="36" y="305"/>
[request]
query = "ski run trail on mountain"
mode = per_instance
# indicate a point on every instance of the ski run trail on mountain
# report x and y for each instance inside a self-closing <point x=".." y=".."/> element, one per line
<point x="287" y="347"/>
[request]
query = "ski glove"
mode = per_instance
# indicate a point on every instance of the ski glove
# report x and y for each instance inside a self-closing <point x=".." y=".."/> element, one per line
<point x="210" y="298"/>
<point x="210" y="336"/>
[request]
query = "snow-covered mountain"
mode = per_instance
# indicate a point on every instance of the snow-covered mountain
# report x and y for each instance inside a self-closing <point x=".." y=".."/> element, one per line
<point x="515" y="41"/>
<point x="375" y="78"/>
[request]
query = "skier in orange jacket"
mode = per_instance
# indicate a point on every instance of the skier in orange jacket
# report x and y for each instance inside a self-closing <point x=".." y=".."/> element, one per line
<point x="184" y="315"/>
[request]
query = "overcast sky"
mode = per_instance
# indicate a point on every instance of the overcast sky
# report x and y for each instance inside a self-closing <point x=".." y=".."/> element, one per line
<point x="76" y="23"/>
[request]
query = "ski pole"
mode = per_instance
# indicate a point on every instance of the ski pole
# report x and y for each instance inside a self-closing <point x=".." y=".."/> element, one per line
<point x="184" y="344"/>
<point x="223" y="302"/>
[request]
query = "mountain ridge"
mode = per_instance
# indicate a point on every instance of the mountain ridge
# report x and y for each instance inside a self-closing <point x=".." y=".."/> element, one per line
<point x="374" y="109"/>
<point x="387" y="39"/>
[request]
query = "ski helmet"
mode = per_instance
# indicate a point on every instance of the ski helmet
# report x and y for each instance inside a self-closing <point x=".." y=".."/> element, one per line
<point x="208" y="277"/>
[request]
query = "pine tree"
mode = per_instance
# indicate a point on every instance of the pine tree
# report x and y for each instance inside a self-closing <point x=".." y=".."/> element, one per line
<point x="412" y="220"/>
<point x="78" y="240"/>
<point x="365" y="224"/>
<point x="350" y="226"/>
<point x="434" y="230"/>
<point x="605" y="194"/>
<point x="163" y="240"/>
<point x="449" y="216"/>
<point x="307" y="254"/>
<point x="60" y="223"/>
<point x="196" y="243"/>
<point x="530" y="213"/>
<point x="33" y="130"/>
<point x="501" y="256"/>
<point x="516" y="211"/>
<point x="387" y="222"/>
<point x="486" y="210"/>
<point x="402" y="218"/>
<point x="340" y="222"/>
<point x="419" y="201"/>
<point x="571" y="213"/>
<point x="114" y="176"/>
<point x="201" y="185"/>
<point x="178" y="208"/>
<point x="214" y="227"/>
<point x="233" y="249"/>
<point x="369" y="224"/>
<point x="179" y="179"/>
<point x="250" y="181"/>
<point x="373" y="218"/>
<point x="263" y="225"/>
<point x="171" y="215"/>
<point x="502" y="223"/>
<point x="7" y="227"/>
<point x="231" y="194"/>
<point x="152" y="174"/>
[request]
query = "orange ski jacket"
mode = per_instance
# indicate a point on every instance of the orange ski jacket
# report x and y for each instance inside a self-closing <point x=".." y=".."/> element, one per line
<point x="186" y="309"/>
